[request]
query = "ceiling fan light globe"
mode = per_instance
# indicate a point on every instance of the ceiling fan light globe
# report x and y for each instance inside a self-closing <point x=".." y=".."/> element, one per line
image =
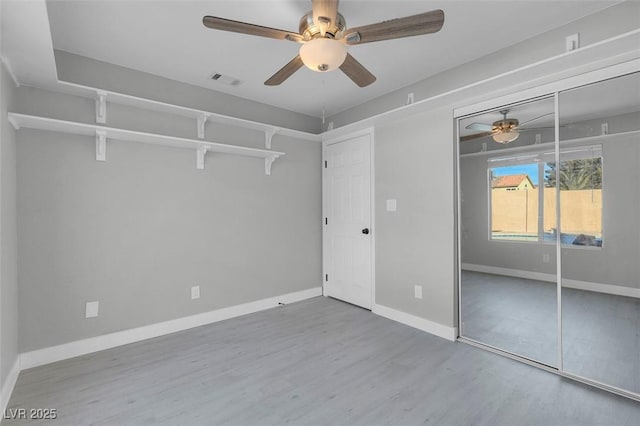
<point x="506" y="137"/>
<point x="323" y="54"/>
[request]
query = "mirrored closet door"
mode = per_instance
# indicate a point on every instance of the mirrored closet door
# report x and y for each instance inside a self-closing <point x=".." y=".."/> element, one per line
<point x="549" y="231"/>
<point x="507" y="222"/>
<point x="600" y="231"/>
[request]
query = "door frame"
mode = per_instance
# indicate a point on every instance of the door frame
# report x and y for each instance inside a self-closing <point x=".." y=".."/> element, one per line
<point x="331" y="141"/>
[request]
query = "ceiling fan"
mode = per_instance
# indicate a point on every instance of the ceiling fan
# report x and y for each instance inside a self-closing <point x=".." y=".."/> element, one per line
<point x="503" y="131"/>
<point x="325" y="39"/>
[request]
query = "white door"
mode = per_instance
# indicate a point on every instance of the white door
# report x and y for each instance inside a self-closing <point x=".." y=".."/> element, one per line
<point x="347" y="230"/>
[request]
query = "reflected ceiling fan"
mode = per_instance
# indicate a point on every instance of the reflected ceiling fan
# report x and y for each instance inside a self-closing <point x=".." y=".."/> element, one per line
<point x="503" y="131"/>
<point x="325" y="38"/>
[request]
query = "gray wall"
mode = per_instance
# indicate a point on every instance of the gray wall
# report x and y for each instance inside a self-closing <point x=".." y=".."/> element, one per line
<point x="137" y="231"/>
<point x="8" y="233"/>
<point x="90" y="72"/>
<point x="615" y="20"/>
<point x="414" y="245"/>
<point x="415" y="164"/>
<point x="614" y="264"/>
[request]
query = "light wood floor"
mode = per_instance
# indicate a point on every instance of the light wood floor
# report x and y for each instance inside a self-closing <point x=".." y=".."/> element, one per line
<point x="320" y="361"/>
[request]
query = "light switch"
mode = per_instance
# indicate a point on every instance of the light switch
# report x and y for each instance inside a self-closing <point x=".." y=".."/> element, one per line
<point x="417" y="291"/>
<point x="391" y="205"/>
<point x="91" y="310"/>
<point x="195" y="292"/>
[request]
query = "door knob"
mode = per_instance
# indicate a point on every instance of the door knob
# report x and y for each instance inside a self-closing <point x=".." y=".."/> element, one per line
<point x="365" y="231"/>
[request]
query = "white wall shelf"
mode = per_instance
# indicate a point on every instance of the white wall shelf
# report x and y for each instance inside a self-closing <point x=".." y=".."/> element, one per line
<point x="200" y="117"/>
<point x="103" y="133"/>
<point x="550" y="145"/>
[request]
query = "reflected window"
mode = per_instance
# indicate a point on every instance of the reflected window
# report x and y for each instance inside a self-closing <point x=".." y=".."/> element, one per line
<point x="514" y="202"/>
<point x="523" y="197"/>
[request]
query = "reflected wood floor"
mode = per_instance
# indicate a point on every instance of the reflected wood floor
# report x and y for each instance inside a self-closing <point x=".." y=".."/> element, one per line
<point x="319" y="361"/>
<point x="600" y="332"/>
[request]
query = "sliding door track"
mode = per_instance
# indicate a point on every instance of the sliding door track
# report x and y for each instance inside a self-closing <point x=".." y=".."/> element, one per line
<point x="551" y="369"/>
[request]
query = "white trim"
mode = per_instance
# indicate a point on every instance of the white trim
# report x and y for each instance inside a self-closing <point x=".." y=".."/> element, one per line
<point x="370" y="132"/>
<point x="99" y="343"/>
<point x="458" y="225"/>
<point x="9" y="384"/>
<point x="325" y="265"/>
<point x="615" y="290"/>
<point x="374" y="227"/>
<point x="437" y="329"/>
<point x="327" y="139"/>
<point x="7" y="67"/>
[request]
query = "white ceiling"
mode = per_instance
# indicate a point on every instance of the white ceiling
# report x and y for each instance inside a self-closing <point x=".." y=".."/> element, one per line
<point x="29" y="54"/>
<point x="167" y="38"/>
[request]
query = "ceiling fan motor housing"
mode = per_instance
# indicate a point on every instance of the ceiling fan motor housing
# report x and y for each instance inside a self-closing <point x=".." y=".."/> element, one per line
<point x="506" y="125"/>
<point x="310" y="30"/>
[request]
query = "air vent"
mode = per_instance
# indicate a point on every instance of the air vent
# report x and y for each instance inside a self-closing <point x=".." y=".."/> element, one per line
<point x="225" y="79"/>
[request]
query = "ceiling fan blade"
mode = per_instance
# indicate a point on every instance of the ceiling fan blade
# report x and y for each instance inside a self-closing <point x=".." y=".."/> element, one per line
<point x="223" y="24"/>
<point x="480" y="126"/>
<point x="424" y="23"/>
<point x="356" y="72"/>
<point x="285" y="72"/>
<point x="530" y="129"/>
<point x="475" y="136"/>
<point x="325" y="8"/>
<point x="537" y="118"/>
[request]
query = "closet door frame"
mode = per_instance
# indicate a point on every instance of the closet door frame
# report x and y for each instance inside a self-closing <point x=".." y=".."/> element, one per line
<point x="551" y="89"/>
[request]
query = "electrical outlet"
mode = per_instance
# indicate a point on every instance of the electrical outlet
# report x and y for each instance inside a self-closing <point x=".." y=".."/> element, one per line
<point x="417" y="291"/>
<point x="410" y="98"/>
<point x="545" y="258"/>
<point x="392" y="205"/>
<point x="91" y="309"/>
<point x="330" y="125"/>
<point x="604" y="127"/>
<point x="572" y="42"/>
<point x="195" y="292"/>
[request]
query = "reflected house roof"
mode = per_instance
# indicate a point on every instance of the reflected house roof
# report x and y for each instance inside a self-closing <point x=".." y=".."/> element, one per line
<point x="510" y="181"/>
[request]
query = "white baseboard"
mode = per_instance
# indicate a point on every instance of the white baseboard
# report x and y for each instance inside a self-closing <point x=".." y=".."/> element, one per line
<point x="449" y="333"/>
<point x="94" y="344"/>
<point x="540" y="276"/>
<point x="616" y="290"/>
<point x="9" y="384"/>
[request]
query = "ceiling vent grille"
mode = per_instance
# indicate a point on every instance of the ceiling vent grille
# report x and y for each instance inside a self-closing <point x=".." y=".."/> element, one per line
<point x="225" y="79"/>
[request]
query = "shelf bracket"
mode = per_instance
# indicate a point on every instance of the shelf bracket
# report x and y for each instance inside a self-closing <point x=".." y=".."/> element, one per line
<point x="101" y="107"/>
<point x="202" y="120"/>
<point x="268" y="135"/>
<point x="200" y="154"/>
<point x="268" y="161"/>
<point x="101" y="145"/>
